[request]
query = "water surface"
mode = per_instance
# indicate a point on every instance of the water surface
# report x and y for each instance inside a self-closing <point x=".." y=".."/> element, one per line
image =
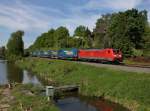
<point x="81" y="103"/>
<point x="10" y="73"/>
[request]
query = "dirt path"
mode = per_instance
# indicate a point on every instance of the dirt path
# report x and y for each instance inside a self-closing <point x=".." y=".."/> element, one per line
<point x="5" y="99"/>
<point x="119" y="67"/>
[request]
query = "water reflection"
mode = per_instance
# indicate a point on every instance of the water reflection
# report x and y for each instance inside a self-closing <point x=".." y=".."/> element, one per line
<point x="3" y="72"/>
<point x="104" y="105"/>
<point x="29" y="78"/>
<point x="76" y="102"/>
<point x="14" y="74"/>
<point x="10" y="73"/>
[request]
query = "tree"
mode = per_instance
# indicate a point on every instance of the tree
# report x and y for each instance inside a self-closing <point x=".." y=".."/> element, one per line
<point x="80" y="31"/>
<point x="101" y="40"/>
<point x="45" y="40"/>
<point x="61" y="36"/>
<point x="136" y="23"/>
<point x="126" y="30"/>
<point x="75" y="42"/>
<point x="15" y="45"/>
<point x="83" y="35"/>
<point x="50" y="38"/>
<point x="147" y="37"/>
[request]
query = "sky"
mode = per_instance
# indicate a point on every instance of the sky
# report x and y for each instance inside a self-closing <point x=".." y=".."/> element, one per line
<point x="37" y="16"/>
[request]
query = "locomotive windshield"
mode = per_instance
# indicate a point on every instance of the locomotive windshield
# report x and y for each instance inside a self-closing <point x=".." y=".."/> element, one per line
<point x="116" y="51"/>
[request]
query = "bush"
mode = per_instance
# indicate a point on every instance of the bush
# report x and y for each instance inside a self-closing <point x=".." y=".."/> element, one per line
<point x="137" y="52"/>
<point x="12" y="57"/>
<point x="146" y="53"/>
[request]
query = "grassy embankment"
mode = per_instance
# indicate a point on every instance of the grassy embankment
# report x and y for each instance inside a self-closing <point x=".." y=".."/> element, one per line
<point x="129" y="89"/>
<point x="132" y="62"/>
<point x="25" y="97"/>
<point x="140" y="57"/>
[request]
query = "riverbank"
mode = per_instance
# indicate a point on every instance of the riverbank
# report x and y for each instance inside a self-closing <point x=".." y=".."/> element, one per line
<point x="132" y="90"/>
<point x="24" y="98"/>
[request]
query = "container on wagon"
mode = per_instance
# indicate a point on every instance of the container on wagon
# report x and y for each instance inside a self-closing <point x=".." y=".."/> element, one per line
<point x="46" y="54"/>
<point x="40" y="53"/>
<point x="68" y="54"/>
<point x="34" y="53"/>
<point x="54" y="54"/>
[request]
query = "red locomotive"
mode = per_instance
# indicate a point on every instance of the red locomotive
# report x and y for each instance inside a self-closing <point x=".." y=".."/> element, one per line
<point x="108" y="54"/>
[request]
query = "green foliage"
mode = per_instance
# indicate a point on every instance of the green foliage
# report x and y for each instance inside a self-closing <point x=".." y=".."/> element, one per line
<point x="61" y="36"/>
<point x="80" y="31"/>
<point x="126" y="30"/>
<point x="53" y="39"/>
<point x="101" y="40"/>
<point x="124" y="87"/>
<point x="15" y="45"/>
<point x="12" y="57"/>
<point x="74" y="42"/>
<point x="146" y="52"/>
<point x="83" y="35"/>
<point x="137" y="52"/>
<point x="45" y="40"/>
<point x="147" y="38"/>
<point x="136" y="22"/>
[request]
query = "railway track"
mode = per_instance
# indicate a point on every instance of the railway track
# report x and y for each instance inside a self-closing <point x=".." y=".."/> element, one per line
<point x="140" y="66"/>
<point x="123" y="64"/>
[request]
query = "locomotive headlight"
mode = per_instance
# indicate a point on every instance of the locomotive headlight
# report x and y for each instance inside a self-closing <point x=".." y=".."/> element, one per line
<point x="120" y="55"/>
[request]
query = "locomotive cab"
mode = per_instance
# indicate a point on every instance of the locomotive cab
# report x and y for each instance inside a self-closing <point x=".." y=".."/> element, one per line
<point x="117" y="55"/>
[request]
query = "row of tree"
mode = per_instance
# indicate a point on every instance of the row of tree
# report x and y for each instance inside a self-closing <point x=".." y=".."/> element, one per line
<point x="60" y="38"/>
<point x="128" y="31"/>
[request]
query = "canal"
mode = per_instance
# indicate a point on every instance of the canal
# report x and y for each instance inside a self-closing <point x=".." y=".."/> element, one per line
<point x="10" y="73"/>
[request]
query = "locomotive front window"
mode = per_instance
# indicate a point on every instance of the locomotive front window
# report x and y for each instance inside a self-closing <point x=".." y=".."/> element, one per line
<point x="116" y="51"/>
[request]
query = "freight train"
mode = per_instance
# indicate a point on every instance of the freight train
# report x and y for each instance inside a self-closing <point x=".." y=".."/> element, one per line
<point x="109" y="54"/>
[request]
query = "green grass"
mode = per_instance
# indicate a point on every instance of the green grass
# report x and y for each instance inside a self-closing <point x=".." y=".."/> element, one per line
<point x="129" y="89"/>
<point x="25" y="100"/>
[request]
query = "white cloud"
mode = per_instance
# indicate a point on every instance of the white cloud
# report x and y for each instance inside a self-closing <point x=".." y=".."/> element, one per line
<point x="20" y="16"/>
<point x="113" y="4"/>
<point x="81" y="18"/>
<point x="72" y="23"/>
<point x="27" y="17"/>
<point x="149" y="16"/>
